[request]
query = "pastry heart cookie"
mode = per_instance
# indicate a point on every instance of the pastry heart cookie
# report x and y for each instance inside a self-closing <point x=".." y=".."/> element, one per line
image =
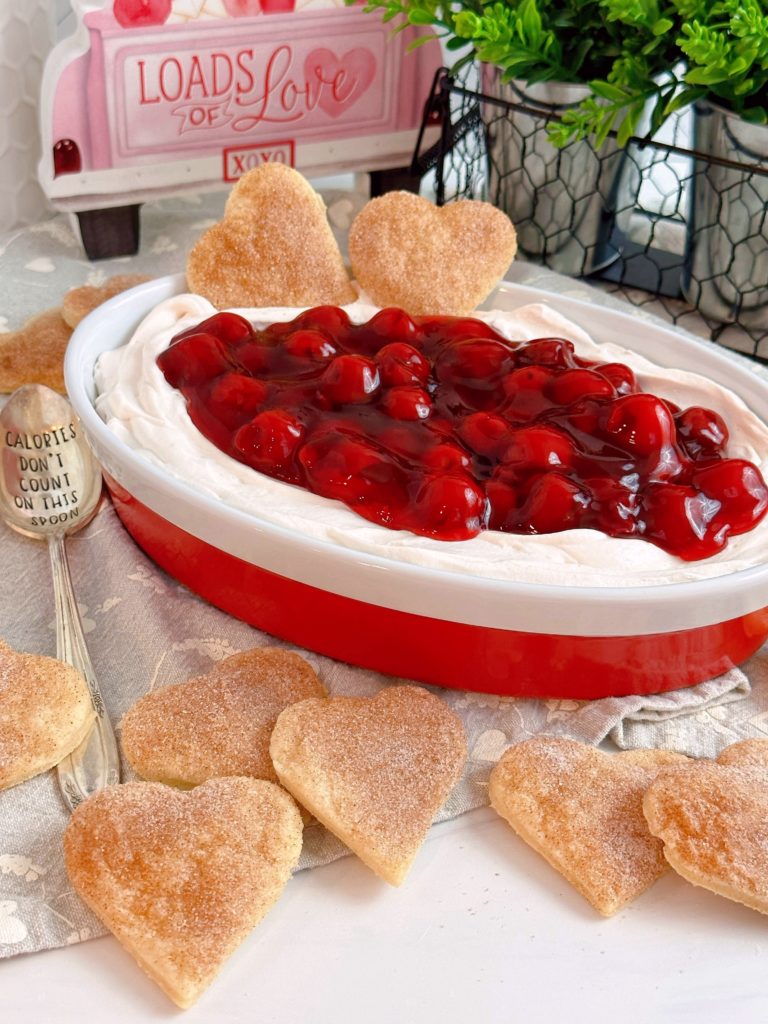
<point x="34" y="354"/>
<point x="45" y="713"/>
<point x="581" y="809"/>
<point x="713" y="820"/>
<point x="220" y="723"/>
<point x="407" y="252"/>
<point x="79" y="302"/>
<point x="373" y="770"/>
<point x="182" y="878"/>
<point x="274" y="247"/>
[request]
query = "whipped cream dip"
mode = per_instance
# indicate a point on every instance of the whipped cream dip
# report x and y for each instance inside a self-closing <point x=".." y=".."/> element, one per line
<point x="150" y="416"/>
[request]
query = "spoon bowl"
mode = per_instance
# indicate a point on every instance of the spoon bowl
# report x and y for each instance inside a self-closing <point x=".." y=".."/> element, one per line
<point x="50" y="486"/>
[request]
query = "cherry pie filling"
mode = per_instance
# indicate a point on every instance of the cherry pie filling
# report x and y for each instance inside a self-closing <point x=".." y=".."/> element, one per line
<point x="440" y="426"/>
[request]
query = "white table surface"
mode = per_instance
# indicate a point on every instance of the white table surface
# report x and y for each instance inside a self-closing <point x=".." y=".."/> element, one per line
<point x="483" y="930"/>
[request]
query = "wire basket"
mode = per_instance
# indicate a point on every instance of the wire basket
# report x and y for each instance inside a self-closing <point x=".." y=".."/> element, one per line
<point x="662" y="222"/>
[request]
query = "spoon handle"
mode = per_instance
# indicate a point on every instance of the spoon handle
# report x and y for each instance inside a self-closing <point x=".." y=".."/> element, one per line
<point x="96" y="762"/>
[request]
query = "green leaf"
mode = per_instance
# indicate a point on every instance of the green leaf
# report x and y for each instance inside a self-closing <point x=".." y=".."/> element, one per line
<point x="662" y="26"/>
<point x="419" y="17"/>
<point x="609" y="91"/>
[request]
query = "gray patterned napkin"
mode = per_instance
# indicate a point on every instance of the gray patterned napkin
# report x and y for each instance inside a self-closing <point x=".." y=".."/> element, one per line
<point x="145" y="630"/>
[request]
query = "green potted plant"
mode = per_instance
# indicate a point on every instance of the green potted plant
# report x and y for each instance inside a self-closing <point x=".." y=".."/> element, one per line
<point x="717" y="59"/>
<point x="543" y="54"/>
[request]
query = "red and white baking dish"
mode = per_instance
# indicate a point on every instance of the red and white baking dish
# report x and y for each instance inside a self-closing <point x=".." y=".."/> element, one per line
<point x="435" y="626"/>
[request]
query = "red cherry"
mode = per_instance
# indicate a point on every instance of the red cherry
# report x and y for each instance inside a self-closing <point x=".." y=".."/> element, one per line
<point x="702" y="431"/>
<point x="502" y="500"/>
<point x="640" y="424"/>
<point x="139" y="13"/>
<point x="329" y="319"/>
<point x="546" y="352"/>
<point x="231" y="328"/>
<point x="194" y="359"/>
<point x="350" y="380"/>
<point x="460" y="328"/>
<point x="406" y="403"/>
<point x="554" y="503"/>
<point x="446" y="457"/>
<point x="537" y="448"/>
<point x="472" y="361"/>
<point x="315" y="346"/>
<point x="399" y="363"/>
<point x="681" y="520"/>
<point x="573" y="385"/>
<point x="394" y="325"/>
<point x="235" y="398"/>
<point x="451" y="507"/>
<point x="620" y="376"/>
<point x="352" y="470"/>
<point x="525" y="389"/>
<point x="581" y="421"/>
<point x="484" y="433"/>
<point x="270" y="442"/>
<point x="614" y="508"/>
<point x="528" y="378"/>
<point x="739" y="488"/>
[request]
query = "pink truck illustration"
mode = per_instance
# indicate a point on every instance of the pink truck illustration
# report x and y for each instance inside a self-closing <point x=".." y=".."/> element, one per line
<point x="147" y="99"/>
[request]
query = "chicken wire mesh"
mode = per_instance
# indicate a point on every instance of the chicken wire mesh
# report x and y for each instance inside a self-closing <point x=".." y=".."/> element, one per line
<point x="665" y="223"/>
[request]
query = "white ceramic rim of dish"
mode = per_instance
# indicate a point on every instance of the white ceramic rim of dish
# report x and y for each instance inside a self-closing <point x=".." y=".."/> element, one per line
<point x="436" y="593"/>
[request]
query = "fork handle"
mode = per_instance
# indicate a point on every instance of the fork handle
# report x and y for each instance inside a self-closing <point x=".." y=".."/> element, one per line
<point x="96" y="762"/>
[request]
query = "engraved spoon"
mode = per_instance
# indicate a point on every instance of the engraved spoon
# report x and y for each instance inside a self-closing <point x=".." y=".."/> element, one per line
<point x="50" y="485"/>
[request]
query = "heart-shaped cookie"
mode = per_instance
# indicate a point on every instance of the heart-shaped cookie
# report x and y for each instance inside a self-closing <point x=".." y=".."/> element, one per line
<point x="373" y="770"/>
<point x="581" y="809"/>
<point x="274" y="247"/>
<point x="79" y="302"/>
<point x="182" y="878"/>
<point x="220" y="723"/>
<point x="407" y="252"/>
<point x="713" y="820"/>
<point x="45" y="713"/>
<point x="34" y="354"/>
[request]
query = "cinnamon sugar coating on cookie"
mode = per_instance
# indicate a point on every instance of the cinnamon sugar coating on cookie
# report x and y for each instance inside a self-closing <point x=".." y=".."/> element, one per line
<point x="217" y="724"/>
<point x="407" y="252"/>
<point x="713" y="820"/>
<point x="274" y="247"/>
<point x="45" y="713"/>
<point x="34" y="354"/>
<point x="182" y="878"/>
<point x="581" y="809"/>
<point x="374" y="771"/>
<point x="79" y="302"/>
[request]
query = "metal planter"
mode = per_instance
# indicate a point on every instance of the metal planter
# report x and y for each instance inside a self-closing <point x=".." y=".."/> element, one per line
<point x="562" y="201"/>
<point x="727" y="268"/>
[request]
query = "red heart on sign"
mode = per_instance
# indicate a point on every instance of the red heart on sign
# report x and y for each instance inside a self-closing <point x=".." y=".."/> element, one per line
<point x="340" y="82"/>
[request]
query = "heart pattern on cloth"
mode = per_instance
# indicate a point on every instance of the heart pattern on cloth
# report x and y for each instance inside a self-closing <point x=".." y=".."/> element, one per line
<point x="430" y="260"/>
<point x="340" y="81"/>
<point x="217" y="724"/>
<point x="182" y="878"/>
<point x="713" y="820"/>
<point x="581" y="809"/>
<point x="274" y="247"/>
<point x="45" y="713"/>
<point x="374" y="770"/>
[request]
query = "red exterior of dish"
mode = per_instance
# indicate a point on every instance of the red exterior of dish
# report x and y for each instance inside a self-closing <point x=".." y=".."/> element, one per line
<point x="450" y="654"/>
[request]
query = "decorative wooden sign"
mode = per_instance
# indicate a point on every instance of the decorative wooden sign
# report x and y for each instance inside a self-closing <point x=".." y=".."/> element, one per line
<point x="152" y="97"/>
